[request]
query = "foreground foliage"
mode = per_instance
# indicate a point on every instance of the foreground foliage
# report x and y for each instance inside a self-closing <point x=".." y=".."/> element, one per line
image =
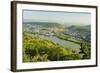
<point x="36" y="49"/>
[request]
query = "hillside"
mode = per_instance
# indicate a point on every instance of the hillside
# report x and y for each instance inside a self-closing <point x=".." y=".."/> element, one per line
<point x="45" y="24"/>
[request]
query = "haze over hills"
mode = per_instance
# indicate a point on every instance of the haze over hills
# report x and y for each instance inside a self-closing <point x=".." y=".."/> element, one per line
<point x="45" y="24"/>
<point x="82" y="31"/>
<point x="59" y="17"/>
<point x="65" y="24"/>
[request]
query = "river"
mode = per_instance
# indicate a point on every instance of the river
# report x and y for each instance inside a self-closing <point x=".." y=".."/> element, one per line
<point x="67" y="44"/>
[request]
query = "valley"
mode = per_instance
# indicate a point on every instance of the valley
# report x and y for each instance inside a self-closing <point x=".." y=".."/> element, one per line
<point x="72" y="42"/>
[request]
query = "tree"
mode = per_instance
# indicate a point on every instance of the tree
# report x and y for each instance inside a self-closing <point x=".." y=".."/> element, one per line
<point x="85" y="50"/>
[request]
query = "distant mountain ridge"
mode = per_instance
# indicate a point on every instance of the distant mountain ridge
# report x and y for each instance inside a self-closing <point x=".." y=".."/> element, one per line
<point x="45" y="24"/>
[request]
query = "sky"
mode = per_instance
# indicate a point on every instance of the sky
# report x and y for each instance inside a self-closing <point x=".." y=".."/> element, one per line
<point x="57" y="16"/>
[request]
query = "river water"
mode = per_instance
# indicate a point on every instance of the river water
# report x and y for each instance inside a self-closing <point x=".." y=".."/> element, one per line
<point x="67" y="44"/>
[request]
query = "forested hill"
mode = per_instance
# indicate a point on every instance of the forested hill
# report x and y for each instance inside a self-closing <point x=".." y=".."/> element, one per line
<point x="45" y="24"/>
<point x="79" y="28"/>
